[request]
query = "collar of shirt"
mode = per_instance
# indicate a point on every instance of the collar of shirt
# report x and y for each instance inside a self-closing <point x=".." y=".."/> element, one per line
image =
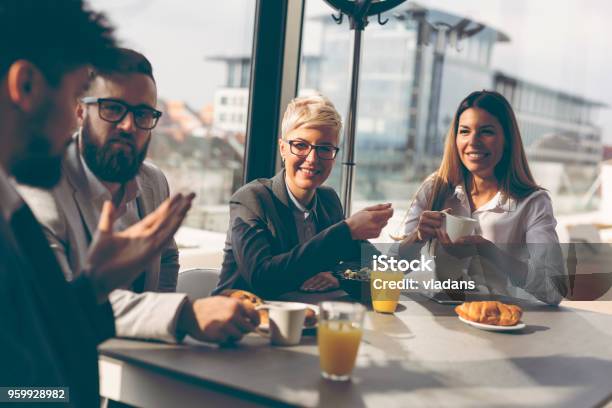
<point x="499" y="201"/>
<point x="10" y="200"/>
<point x="100" y="193"/>
<point x="298" y="206"/>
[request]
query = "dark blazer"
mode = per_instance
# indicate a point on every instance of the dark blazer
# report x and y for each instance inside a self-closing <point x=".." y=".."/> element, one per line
<point x="262" y="252"/>
<point x="49" y="329"/>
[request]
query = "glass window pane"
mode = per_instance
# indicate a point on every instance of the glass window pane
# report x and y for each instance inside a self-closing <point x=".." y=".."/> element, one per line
<point x="549" y="59"/>
<point x="200" y="52"/>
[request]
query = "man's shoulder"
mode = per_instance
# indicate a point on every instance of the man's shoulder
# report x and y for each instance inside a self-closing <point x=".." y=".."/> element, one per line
<point x="151" y="172"/>
<point x="45" y="206"/>
<point x="40" y="201"/>
<point x="153" y="183"/>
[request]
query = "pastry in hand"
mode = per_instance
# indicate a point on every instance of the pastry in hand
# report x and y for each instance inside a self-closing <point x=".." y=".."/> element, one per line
<point x="248" y="298"/>
<point x="311" y="318"/>
<point x="490" y="312"/>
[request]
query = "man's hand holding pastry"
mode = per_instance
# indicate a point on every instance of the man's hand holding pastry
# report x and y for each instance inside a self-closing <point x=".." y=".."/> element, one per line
<point x="217" y="319"/>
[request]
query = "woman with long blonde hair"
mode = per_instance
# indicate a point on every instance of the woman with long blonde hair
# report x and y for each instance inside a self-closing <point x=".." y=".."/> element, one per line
<point x="484" y="175"/>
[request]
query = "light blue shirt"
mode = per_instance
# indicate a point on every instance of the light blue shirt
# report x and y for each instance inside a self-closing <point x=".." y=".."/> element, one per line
<point x="305" y="218"/>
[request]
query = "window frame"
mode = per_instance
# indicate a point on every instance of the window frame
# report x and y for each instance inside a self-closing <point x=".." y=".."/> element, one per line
<point x="277" y="40"/>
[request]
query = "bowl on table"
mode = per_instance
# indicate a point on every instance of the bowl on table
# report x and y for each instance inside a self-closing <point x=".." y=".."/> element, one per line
<point x="356" y="283"/>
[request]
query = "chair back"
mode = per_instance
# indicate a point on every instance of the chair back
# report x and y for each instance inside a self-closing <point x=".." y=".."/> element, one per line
<point x="197" y="283"/>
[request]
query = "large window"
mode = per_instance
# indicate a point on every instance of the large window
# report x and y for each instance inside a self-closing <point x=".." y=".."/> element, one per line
<point x="549" y="59"/>
<point x="201" y="53"/>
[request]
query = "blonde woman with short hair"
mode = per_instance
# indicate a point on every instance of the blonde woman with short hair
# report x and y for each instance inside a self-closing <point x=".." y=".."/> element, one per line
<point x="287" y="232"/>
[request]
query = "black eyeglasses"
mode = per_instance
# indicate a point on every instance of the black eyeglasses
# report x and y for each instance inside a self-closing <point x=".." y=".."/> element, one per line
<point x="114" y="111"/>
<point x="301" y="148"/>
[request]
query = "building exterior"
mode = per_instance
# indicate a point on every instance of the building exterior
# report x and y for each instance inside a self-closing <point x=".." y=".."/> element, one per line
<point x="197" y="157"/>
<point x="231" y="109"/>
<point x="414" y="72"/>
<point x="555" y="126"/>
<point x="232" y="100"/>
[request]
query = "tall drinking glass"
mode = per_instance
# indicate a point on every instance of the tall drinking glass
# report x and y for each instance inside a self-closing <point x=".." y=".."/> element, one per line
<point x="339" y="335"/>
<point x="385" y="290"/>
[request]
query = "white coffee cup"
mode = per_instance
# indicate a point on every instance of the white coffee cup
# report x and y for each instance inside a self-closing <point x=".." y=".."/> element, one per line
<point x="457" y="226"/>
<point x="286" y="322"/>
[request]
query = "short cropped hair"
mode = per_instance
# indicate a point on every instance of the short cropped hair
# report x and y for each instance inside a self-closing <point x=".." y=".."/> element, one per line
<point x="56" y="36"/>
<point x="314" y="111"/>
<point x="126" y="61"/>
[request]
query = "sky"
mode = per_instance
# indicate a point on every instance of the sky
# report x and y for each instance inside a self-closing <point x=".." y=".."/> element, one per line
<point x="562" y="44"/>
<point x="179" y="35"/>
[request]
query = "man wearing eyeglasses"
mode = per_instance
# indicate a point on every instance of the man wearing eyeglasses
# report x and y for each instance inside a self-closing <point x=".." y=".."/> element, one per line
<point x="288" y="232"/>
<point x="106" y="162"/>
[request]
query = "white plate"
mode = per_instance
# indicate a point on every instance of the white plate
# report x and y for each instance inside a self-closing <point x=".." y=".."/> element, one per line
<point x="491" y="327"/>
<point x="315" y="308"/>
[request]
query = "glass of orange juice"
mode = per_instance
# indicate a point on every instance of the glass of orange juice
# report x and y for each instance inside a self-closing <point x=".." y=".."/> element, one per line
<point x="385" y="290"/>
<point x="339" y="335"/>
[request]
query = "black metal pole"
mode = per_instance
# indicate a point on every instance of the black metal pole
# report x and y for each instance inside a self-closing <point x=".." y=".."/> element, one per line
<point x="358" y="12"/>
<point x="348" y="163"/>
<point x="415" y="97"/>
<point x="432" y="137"/>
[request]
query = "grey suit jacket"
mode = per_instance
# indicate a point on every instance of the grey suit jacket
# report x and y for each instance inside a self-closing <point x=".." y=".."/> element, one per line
<point x="262" y="252"/>
<point x="70" y="221"/>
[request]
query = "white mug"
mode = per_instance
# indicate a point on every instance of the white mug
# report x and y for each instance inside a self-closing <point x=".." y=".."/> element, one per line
<point x="286" y="322"/>
<point x="457" y="226"/>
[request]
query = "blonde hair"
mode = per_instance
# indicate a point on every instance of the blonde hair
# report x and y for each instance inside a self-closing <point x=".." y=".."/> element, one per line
<point x="512" y="171"/>
<point x="315" y="111"/>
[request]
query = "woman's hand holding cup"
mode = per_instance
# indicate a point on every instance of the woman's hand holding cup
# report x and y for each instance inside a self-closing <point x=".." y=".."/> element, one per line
<point x="429" y="222"/>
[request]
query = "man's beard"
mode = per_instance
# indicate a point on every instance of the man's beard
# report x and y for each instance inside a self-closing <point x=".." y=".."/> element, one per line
<point x="38" y="167"/>
<point x="111" y="165"/>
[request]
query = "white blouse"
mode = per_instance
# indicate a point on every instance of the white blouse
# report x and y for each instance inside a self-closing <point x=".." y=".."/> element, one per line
<point x="522" y="228"/>
<point x="501" y="220"/>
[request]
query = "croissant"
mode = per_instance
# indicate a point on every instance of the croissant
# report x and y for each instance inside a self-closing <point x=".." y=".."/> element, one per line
<point x="249" y="299"/>
<point x="243" y="295"/>
<point x="311" y="318"/>
<point x="491" y="312"/>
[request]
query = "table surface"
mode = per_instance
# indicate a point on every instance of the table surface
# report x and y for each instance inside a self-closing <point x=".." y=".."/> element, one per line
<point x="422" y="355"/>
